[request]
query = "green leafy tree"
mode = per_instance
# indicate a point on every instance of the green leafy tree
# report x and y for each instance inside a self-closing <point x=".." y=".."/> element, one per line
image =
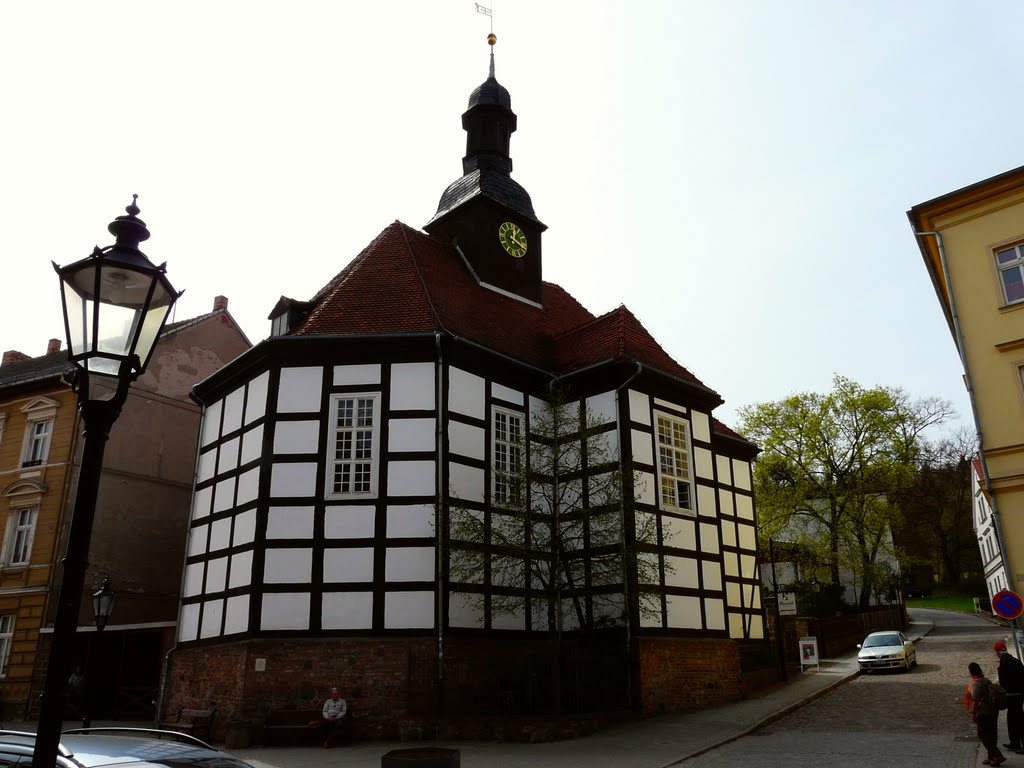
<point x="832" y="467"/>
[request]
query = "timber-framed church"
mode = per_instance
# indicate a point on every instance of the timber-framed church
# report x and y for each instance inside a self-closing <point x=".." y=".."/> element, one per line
<point x="332" y="453"/>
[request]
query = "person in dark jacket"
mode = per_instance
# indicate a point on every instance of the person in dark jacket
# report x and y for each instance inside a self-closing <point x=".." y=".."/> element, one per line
<point x="1011" y="677"/>
<point x="984" y="715"/>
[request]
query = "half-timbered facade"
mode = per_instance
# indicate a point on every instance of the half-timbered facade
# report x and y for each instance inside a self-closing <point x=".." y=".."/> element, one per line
<point x="334" y="455"/>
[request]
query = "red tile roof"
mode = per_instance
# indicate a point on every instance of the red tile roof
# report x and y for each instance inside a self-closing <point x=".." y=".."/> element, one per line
<point x="407" y="282"/>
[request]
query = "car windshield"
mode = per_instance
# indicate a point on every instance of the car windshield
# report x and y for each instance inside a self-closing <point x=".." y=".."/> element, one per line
<point x="874" y="641"/>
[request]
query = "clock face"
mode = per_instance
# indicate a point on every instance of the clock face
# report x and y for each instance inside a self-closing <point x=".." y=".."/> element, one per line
<point x="512" y="239"/>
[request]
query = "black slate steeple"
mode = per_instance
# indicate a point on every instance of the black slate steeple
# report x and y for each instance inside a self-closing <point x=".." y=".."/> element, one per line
<point x="478" y="209"/>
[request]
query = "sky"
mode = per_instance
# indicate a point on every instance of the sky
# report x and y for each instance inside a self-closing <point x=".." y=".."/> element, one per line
<point x="736" y="172"/>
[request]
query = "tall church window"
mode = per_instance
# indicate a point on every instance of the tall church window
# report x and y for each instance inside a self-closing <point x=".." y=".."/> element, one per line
<point x="1010" y="261"/>
<point x="508" y="447"/>
<point x="674" y="464"/>
<point x="354" y="448"/>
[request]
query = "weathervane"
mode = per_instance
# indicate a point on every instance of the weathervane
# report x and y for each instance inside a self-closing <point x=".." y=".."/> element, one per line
<point x="489" y="13"/>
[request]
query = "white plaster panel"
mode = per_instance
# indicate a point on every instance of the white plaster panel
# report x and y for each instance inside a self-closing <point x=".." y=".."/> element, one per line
<point x="197" y="540"/>
<point x="245" y="528"/>
<point x="189" y="628"/>
<point x="240" y="574"/>
<point x="639" y="407"/>
<point x="466" y="440"/>
<point x="287" y="566"/>
<point x="356" y="375"/>
<point x="290" y="523"/>
<point x="347" y="610"/>
<point x="712" y="575"/>
<point x="731" y="564"/>
<point x="409" y="610"/>
<point x="342" y="565"/>
<point x="748" y="537"/>
<point x="645" y="487"/>
<point x="355" y="522"/>
<point x="653" y="617"/>
<point x="409" y="564"/>
<point x="285" y="610"/>
<point x="514" y="620"/>
<point x="467" y="483"/>
<point x="728" y="533"/>
<point x="193" y="579"/>
<point x="411" y="435"/>
<point x="702" y="463"/>
<point x="735" y="625"/>
<point x="677" y="532"/>
<point x="227" y="458"/>
<point x="602" y="408"/>
<point x="201" y="502"/>
<point x="683" y="612"/>
<point x="216" y="575"/>
<point x="248" y="486"/>
<point x="701" y="425"/>
<point x="724" y="468"/>
<point x="465" y="610"/>
<point x="206" y="464"/>
<point x="465" y="393"/>
<point x="725" y="504"/>
<point x="643" y="446"/>
<point x="741" y="474"/>
<point x="236" y="615"/>
<point x="732" y="595"/>
<point x="748" y="566"/>
<point x="756" y="627"/>
<point x="681" y="572"/>
<point x="213" y="613"/>
<point x="220" y="534"/>
<point x="411" y="478"/>
<point x="539" y="615"/>
<point x="296" y="437"/>
<point x="233" y="405"/>
<point x="745" y="507"/>
<point x="224" y="495"/>
<point x="604" y="446"/>
<point x="293" y="479"/>
<point x="706" y="501"/>
<point x="507" y="394"/>
<point x="610" y="607"/>
<point x="708" y="538"/>
<point x="300" y="390"/>
<point x="412" y="521"/>
<point x="256" y="397"/>
<point x="252" y="445"/>
<point x="211" y="422"/>
<point x="412" y="386"/>
<point x="714" y="613"/>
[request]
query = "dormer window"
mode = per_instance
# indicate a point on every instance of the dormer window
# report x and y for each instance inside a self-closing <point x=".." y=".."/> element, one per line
<point x="279" y="325"/>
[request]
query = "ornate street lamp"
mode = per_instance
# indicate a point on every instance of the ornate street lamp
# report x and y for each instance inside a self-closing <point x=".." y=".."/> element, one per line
<point x="115" y="305"/>
<point x="103" y="600"/>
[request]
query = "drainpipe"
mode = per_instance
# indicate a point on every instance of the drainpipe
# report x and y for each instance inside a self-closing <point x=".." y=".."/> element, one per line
<point x="439" y="520"/>
<point x="986" y="478"/>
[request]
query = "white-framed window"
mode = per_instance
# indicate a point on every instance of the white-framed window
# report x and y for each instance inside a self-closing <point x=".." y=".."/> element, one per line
<point x="37" y="442"/>
<point x="507" y="450"/>
<point x="354" y="445"/>
<point x="674" y="464"/>
<point x="279" y="325"/>
<point x="6" y="638"/>
<point x="20" y="532"/>
<point x="1010" y="260"/>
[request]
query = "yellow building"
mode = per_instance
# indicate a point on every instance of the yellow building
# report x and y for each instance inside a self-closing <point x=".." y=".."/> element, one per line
<point x="972" y="241"/>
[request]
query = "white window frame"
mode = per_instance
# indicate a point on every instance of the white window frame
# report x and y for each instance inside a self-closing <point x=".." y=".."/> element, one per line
<point x="21" y="532"/>
<point x="367" y="467"/>
<point x="279" y="325"/>
<point x="1013" y="263"/>
<point x="38" y="433"/>
<point x="6" y="640"/>
<point x="508" y="429"/>
<point x="675" y="464"/>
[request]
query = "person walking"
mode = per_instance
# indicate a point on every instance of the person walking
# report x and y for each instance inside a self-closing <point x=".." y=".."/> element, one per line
<point x="1011" y="677"/>
<point x="984" y="715"/>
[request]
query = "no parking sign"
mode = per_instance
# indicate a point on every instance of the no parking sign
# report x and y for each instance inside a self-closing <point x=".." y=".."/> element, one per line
<point x="1007" y="604"/>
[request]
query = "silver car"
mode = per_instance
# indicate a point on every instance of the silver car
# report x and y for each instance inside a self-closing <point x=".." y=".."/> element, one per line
<point x="123" y="747"/>
<point x="886" y="650"/>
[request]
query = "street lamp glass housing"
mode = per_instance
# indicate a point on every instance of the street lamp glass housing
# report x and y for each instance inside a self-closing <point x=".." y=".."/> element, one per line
<point x="103" y="600"/>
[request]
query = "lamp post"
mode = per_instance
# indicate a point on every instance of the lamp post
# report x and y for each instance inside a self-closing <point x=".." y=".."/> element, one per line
<point x="115" y="305"/>
<point x="103" y="600"/>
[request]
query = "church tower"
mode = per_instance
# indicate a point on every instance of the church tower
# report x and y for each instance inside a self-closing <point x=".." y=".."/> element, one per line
<point x="485" y="214"/>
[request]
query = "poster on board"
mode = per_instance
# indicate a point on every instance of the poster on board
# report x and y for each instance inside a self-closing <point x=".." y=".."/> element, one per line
<point x="809" y="653"/>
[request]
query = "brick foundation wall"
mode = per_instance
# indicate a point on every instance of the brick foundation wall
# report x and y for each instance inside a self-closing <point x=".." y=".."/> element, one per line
<point x="682" y="674"/>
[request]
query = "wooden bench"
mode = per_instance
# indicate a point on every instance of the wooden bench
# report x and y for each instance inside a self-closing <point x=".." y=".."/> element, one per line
<point x="282" y="722"/>
<point x="194" y="722"/>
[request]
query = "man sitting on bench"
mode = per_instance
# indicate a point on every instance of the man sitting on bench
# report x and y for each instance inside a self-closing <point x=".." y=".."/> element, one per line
<point x="334" y="723"/>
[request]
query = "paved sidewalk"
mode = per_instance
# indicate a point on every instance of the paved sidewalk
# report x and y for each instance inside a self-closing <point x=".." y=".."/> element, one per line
<point x="657" y="742"/>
